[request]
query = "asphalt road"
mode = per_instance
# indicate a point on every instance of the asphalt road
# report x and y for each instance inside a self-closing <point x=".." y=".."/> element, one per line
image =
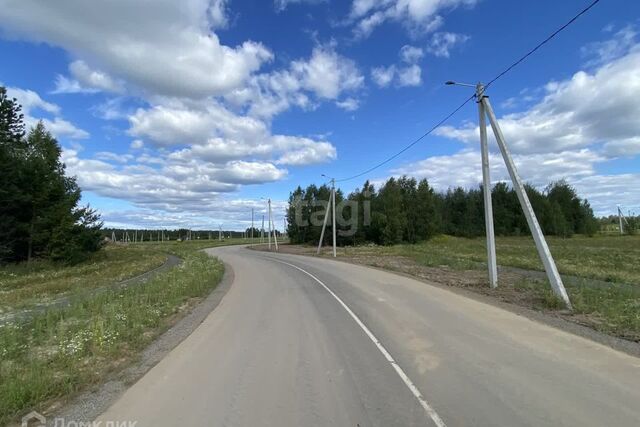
<point x="301" y="341"/>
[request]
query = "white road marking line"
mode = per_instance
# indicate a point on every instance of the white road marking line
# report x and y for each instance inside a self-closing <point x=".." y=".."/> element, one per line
<point x="430" y="411"/>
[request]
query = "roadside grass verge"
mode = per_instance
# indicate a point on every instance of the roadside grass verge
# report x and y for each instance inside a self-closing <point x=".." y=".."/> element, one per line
<point x="24" y="284"/>
<point x="602" y="273"/>
<point x="55" y="354"/>
<point x="608" y="258"/>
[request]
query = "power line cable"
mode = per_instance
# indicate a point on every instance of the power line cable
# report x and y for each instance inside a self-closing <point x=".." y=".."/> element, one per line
<point x="499" y="76"/>
<point x="542" y="43"/>
<point x="440" y="123"/>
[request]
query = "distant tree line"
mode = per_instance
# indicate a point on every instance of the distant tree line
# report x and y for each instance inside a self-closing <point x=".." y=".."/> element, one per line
<point x="405" y="210"/>
<point x="39" y="212"/>
<point x="154" y="235"/>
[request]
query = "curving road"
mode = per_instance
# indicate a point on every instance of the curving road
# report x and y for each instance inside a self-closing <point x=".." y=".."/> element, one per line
<point x="301" y="341"/>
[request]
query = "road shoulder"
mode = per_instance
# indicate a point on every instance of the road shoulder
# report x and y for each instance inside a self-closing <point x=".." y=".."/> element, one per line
<point x="91" y="403"/>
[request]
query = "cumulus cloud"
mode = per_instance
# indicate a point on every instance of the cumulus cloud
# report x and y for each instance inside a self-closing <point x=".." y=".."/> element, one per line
<point x="411" y="54"/>
<point x="86" y="80"/>
<point x="589" y="108"/>
<point x="167" y="48"/>
<point x="441" y="43"/>
<point x="602" y="52"/>
<point x="348" y="104"/>
<point x="383" y="76"/>
<point x="33" y="104"/>
<point x="227" y="212"/>
<point x="325" y="75"/>
<point x="214" y="134"/>
<point x="579" y="168"/>
<point x="407" y="74"/>
<point x="172" y="186"/>
<point x="418" y="16"/>
<point x="577" y="126"/>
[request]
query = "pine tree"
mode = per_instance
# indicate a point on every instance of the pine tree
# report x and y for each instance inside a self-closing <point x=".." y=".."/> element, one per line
<point x="39" y="213"/>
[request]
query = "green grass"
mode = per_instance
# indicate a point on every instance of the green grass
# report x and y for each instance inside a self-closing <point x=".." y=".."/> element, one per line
<point x="608" y="258"/>
<point x="24" y="284"/>
<point x="60" y="352"/>
<point x="606" y="295"/>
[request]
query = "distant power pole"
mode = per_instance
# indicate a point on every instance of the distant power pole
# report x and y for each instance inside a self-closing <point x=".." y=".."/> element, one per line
<point x="262" y="231"/>
<point x="272" y="226"/>
<point x="331" y="206"/>
<point x="252" y="224"/>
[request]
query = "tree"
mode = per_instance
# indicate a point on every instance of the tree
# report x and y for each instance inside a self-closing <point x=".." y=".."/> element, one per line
<point x="11" y="143"/>
<point x="39" y="211"/>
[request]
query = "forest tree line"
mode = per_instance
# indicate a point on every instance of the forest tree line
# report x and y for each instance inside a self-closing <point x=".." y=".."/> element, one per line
<point x="405" y="210"/>
<point x="39" y="212"/>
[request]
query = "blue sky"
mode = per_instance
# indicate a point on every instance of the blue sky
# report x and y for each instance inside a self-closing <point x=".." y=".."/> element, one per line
<point x="188" y="113"/>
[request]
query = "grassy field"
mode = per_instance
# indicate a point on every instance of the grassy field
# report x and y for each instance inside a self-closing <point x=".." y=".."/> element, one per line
<point x="604" y="288"/>
<point x="24" y="284"/>
<point x="608" y="258"/>
<point x="55" y="354"/>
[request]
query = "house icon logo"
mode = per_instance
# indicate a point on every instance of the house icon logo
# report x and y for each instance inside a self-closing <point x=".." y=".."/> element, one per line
<point x="34" y="419"/>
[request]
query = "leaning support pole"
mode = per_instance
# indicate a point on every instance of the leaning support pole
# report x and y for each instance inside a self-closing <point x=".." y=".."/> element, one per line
<point x="620" y="216"/>
<point x="324" y="224"/>
<point x="532" y="221"/>
<point x="486" y="185"/>
<point x="272" y="226"/>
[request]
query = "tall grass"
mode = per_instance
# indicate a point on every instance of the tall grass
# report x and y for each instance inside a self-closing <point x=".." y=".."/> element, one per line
<point x="59" y="352"/>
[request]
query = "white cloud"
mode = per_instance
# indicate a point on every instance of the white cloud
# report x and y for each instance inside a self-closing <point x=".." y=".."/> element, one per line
<point x="409" y="74"/>
<point x="165" y="48"/>
<point x="32" y="105"/>
<point x="585" y="110"/>
<point x="86" y="80"/>
<point x="281" y="5"/>
<point x="383" y="76"/>
<point x="441" y="43"/>
<point x="326" y="75"/>
<point x="411" y="54"/>
<point x="464" y="169"/>
<point x="578" y="126"/>
<point x="178" y="185"/>
<point x="214" y="134"/>
<point x="417" y="16"/>
<point x="606" y="51"/>
<point x="218" y="14"/>
<point x="137" y="144"/>
<point x="348" y="104"/>
<point x="228" y="212"/>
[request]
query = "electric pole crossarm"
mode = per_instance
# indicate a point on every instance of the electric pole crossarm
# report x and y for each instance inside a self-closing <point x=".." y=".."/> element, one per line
<point x="536" y="231"/>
